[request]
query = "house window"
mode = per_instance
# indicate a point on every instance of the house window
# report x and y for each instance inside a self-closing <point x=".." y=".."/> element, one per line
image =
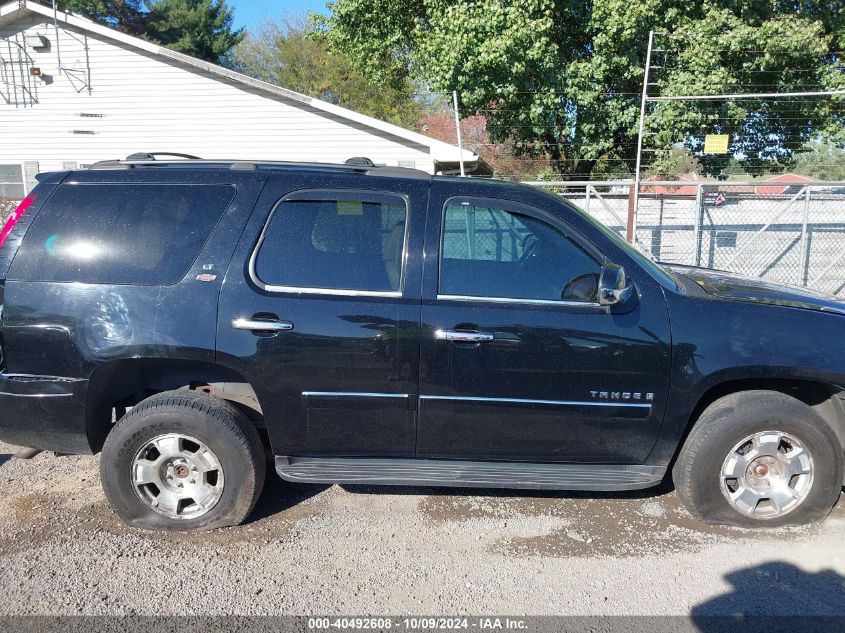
<point x="11" y="182"/>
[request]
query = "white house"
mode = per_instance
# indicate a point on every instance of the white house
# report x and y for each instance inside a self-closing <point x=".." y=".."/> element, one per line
<point x="73" y="92"/>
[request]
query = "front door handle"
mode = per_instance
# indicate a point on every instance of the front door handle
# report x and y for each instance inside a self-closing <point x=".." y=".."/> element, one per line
<point x="261" y="325"/>
<point x="461" y="336"/>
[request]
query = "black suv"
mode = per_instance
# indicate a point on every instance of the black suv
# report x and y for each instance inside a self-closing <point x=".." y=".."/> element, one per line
<point x="382" y="326"/>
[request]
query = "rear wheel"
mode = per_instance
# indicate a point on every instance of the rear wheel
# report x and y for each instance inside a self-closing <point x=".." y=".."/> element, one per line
<point x="759" y="458"/>
<point x="183" y="460"/>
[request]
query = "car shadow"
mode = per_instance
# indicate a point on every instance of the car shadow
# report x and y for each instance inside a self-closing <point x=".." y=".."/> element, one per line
<point x="279" y="495"/>
<point x="779" y="592"/>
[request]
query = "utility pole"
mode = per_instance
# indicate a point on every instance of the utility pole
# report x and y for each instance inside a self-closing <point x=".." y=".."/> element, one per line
<point x="458" y="130"/>
<point x="634" y="207"/>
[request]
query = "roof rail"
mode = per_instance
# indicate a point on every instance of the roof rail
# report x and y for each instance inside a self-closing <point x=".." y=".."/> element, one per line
<point x="152" y="155"/>
<point x="148" y="160"/>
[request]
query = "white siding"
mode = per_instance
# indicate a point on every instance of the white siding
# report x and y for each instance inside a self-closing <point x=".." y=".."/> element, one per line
<point x="143" y="102"/>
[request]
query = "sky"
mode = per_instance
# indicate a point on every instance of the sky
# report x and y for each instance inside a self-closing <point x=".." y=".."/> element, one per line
<point x="250" y="13"/>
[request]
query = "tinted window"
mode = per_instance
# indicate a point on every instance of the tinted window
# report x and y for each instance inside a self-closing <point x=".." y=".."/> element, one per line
<point x="120" y="234"/>
<point x="342" y="244"/>
<point x="489" y="251"/>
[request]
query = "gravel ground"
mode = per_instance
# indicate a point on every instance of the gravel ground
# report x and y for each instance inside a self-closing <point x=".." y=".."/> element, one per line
<point x="355" y="550"/>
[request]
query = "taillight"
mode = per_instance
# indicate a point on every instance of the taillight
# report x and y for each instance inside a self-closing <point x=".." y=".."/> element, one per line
<point x="17" y="215"/>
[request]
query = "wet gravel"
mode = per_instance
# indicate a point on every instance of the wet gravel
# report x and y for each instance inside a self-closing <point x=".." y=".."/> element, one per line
<point x="363" y="550"/>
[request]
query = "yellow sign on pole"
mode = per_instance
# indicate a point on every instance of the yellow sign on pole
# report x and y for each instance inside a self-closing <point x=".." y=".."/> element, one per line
<point x="716" y="143"/>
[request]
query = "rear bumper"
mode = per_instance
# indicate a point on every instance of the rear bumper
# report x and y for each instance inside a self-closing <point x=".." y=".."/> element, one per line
<point x="46" y="412"/>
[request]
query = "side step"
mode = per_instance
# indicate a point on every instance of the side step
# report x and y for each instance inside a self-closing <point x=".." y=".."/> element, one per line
<point x="441" y="472"/>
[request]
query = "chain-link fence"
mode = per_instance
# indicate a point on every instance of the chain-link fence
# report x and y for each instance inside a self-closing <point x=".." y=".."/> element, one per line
<point x="482" y="233"/>
<point x="787" y="232"/>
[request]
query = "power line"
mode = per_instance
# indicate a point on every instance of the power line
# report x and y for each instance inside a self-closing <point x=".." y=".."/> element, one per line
<point x="766" y="95"/>
<point x="687" y="50"/>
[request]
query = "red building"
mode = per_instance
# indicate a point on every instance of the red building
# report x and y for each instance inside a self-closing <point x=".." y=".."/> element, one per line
<point x="789" y="180"/>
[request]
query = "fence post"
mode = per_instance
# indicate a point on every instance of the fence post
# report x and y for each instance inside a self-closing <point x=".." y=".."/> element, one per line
<point x="804" y="263"/>
<point x="632" y="211"/>
<point x="587" y="201"/>
<point x="699" y="218"/>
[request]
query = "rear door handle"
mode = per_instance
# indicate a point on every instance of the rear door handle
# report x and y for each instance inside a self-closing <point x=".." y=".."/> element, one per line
<point x="461" y="336"/>
<point x="261" y="325"/>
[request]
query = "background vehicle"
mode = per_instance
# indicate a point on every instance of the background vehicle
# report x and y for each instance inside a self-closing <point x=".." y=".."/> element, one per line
<point x="379" y="325"/>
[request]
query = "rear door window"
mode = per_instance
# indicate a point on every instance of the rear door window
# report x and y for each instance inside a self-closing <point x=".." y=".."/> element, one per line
<point x="334" y="241"/>
<point x="140" y="234"/>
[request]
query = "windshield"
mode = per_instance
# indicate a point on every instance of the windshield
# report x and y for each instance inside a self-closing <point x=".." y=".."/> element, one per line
<point x="656" y="270"/>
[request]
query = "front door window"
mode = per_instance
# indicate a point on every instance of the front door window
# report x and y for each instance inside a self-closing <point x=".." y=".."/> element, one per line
<point x="493" y="252"/>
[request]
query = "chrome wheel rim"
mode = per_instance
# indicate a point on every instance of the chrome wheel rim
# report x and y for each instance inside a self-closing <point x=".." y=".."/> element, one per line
<point x="767" y="475"/>
<point x="177" y="476"/>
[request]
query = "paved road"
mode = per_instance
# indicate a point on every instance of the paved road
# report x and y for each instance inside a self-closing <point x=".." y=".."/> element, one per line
<point x="317" y="549"/>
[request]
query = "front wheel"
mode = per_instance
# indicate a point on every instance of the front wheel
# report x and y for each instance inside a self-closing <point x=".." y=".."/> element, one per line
<point x="759" y="459"/>
<point x="182" y="460"/>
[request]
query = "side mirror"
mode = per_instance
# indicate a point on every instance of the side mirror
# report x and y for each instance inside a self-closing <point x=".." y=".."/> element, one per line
<point x="614" y="288"/>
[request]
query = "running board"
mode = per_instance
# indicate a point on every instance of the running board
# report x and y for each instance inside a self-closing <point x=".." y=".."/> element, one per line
<point x="441" y="472"/>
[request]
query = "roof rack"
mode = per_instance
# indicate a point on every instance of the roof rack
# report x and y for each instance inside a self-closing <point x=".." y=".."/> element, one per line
<point x="356" y="164"/>
<point x="152" y="155"/>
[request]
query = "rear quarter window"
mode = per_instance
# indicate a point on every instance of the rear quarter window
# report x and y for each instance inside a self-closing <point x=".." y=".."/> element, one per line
<point x="140" y="234"/>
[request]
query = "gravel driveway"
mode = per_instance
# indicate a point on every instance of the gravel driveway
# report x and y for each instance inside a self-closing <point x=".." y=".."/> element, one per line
<point x="353" y="550"/>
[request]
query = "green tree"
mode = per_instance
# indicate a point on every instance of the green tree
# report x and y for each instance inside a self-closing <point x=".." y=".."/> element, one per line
<point x="562" y="78"/>
<point x="200" y="28"/>
<point x="125" y="15"/>
<point x="824" y="161"/>
<point x="675" y="163"/>
<point x="285" y="53"/>
<point x="763" y="47"/>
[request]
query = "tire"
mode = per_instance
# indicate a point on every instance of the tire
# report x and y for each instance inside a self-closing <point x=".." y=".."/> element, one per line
<point x="183" y="444"/>
<point x="702" y="472"/>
